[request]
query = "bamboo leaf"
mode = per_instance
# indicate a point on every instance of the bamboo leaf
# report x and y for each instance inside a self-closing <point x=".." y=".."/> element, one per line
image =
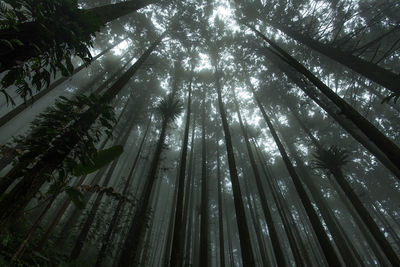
<point x="100" y="160"/>
<point x="76" y="197"/>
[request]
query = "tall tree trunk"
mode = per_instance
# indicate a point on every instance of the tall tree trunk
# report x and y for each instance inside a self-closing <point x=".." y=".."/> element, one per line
<point x="189" y="198"/>
<point x="204" y="245"/>
<point x="370" y="70"/>
<point x="346" y="124"/>
<point x="121" y="232"/>
<point x="16" y="200"/>
<point x="387" y="147"/>
<point x="322" y="205"/>
<point x="382" y="217"/>
<point x="279" y="255"/>
<point x="161" y="231"/>
<point x="30" y="33"/>
<point x="76" y="213"/>
<point x="112" y="78"/>
<point x="169" y="236"/>
<point x="329" y="251"/>
<point x="371" y="242"/>
<point x="229" y="235"/>
<point x="220" y="209"/>
<point x="22" y="246"/>
<point x="244" y="235"/>
<point x="66" y="203"/>
<point x="11" y="153"/>
<point x="256" y="224"/>
<point x="366" y="217"/>
<point x="196" y="233"/>
<point x="379" y="254"/>
<point x="17" y="110"/>
<point x="289" y="226"/>
<point x="131" y="244"/>
<point x="177" y="251"/>
<point x="111" y="12"/>
<point x="93" y="210"/>
<point x="121" y="203"/>
<point x="145" y="248"/>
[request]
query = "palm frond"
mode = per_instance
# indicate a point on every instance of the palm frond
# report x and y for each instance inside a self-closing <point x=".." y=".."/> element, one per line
<point x="4" y="7"/>
<point x="169" y="108"/>
<point x="331" y="158"/>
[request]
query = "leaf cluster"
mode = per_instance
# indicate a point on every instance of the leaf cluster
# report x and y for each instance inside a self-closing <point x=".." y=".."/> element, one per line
<point x="169" y="108"/>
<point x="10" y="240"/>
<point x="330" y="159"/>
<point x="61" y="31"/>
<point x="55" y="124"/>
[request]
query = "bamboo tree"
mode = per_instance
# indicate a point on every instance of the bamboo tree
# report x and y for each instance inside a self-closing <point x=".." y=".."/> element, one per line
<point x="124" y="229"/>
<point x="388" y="148"/>
<point x="333" y="159"/>
<point x="190" y="209"/>
<point x="335" y="113"/>
<point x="372" y="71"/>
<point x="187" y="214"/>
<point x="111" y="12"/>
<point x="67" y="202"/>
<point x="35" y="43"/>
<point x="157" y="250"/>
<point x="330" y="220"/>
<point x="196" y="233"/>
<point x="17" y="110"/>
<point x="204" y="245"/>
<point x="22" y="246"/>
<point x="299" y="252"/>
<point x="11" y="153"/>
<point x="280" y="258"/>
<point x="355" y="216"/>
<point x="179" y="230"/>
<point x="147" y="235"/>
<point x="84" y="231"/>
<point x="244" y="235"/>
<point x="16" y="200"/>
<point x="256" y="224"/>
<point x="169" y="236"/>
<point x="329" y="252"/>
<point x="107" y="237"/>
<point x="229" y="235"/>
<point x="220" y="209"/>
<point x="169" y="109"/>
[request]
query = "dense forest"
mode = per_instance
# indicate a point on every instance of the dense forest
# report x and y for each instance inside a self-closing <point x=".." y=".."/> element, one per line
<point x="200" y="133"/>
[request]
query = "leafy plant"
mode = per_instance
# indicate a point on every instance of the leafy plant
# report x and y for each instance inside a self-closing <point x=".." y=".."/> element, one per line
<point x="330" y="159"/>
<point x="56" y="121"/>
<point x="98" y="161"/>
<point x="39" y="38"/>
<point x="169" y="108"/>
<point x="109" y="191"/>
<point x="76" y="197"/>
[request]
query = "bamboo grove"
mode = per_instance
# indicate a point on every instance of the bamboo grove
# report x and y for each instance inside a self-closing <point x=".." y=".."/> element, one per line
<point x="200" y="133"/>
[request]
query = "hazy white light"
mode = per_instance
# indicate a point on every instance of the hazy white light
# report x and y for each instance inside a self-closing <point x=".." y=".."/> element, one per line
<point x="204" y="63"/>
<point x="120" y="48"/>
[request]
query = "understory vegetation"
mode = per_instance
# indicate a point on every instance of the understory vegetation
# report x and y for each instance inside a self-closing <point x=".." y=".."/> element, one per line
<point x="200" y="133"/>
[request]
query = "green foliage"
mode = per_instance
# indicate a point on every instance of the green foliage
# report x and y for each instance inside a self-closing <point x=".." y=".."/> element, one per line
<point x="169" y="108"/>
<point x="55" y="124"/>
<point x="330" y="159"/>
<point x="76" y="197"/>
<point x="98" y="161"/>
<point x="10" y="240"/>
<point x="61" y="30"/>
